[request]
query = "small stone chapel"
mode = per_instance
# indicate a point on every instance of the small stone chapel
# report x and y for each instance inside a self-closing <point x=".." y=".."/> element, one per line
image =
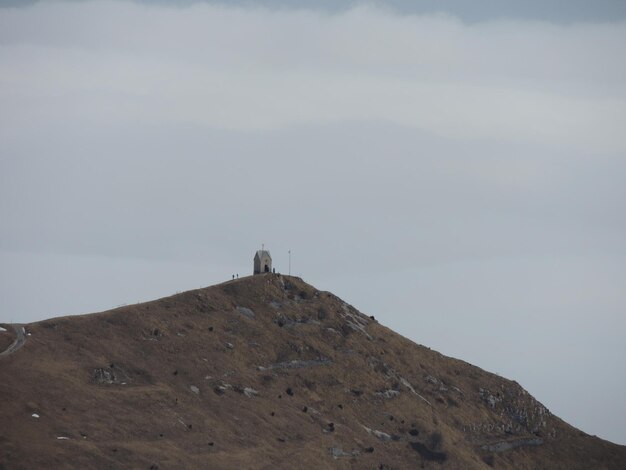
<point x="262" y="262"/>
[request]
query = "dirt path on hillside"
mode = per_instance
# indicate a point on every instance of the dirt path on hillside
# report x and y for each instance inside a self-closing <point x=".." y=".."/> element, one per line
<point x="20" y="340"/>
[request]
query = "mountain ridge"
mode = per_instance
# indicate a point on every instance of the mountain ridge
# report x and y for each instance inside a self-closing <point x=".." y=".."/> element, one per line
<point x="265" y="371"/>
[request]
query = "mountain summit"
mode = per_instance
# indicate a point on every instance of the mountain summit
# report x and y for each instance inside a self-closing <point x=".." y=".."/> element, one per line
<point x="264" y="372"/>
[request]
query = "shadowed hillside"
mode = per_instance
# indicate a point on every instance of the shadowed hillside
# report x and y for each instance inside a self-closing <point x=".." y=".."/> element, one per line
<point x="264" y="372"/>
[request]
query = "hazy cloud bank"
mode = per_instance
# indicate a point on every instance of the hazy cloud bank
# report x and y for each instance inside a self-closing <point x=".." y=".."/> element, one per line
<point x="260" y="69"/>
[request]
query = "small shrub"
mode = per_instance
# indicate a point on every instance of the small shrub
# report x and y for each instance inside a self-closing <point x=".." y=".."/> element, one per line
<point x="435" y="441"/>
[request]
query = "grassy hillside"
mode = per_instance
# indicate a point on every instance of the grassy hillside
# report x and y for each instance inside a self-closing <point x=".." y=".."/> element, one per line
<point x="265" y="372"/>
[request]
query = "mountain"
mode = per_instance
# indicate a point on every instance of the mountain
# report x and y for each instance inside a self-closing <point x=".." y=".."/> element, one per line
<point x="264" y="372"/>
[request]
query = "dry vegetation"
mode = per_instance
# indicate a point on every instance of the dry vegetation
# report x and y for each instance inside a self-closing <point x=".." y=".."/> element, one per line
<point x="6" y="337"/>
<point x="265" y="372"/>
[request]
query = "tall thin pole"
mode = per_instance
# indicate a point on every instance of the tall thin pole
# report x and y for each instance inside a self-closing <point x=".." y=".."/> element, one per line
<point x="290" y="262"/>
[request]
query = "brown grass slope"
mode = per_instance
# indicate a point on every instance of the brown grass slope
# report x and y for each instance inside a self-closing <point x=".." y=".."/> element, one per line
<point x="6" y="338"/>
<point x="265" y="372"/>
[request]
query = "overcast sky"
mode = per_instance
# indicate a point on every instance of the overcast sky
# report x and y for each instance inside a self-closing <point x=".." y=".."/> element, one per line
<point x="458" y="173"/>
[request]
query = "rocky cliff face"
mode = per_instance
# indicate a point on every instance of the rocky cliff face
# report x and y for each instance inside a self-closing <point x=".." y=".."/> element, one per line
<point x="265" y="372"/>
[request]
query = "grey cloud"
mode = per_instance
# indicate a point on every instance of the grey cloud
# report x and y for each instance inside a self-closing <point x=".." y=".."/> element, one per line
<point x="477" y="10"/>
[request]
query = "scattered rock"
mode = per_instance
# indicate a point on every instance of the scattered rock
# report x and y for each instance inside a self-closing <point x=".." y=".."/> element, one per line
<point x="280" y="320"/>
<point x="354" y="320"/>
<point x="250" y="392"/>
<point x="230" y="345"/>
<point x="195" y="389"/>
<point x="35" y="415"/>
<point x="297" y="364"/>
<point x="103" y="376"/>
<point x="106" y="375"/>
<point x="246" y="312"/>
<point x="507" y="445"/>
<point x="338" y="452"/>
<point x="406" y="383"/>
<point x="387" y="394"/>
<point x="488" y="397"/>
<point x="441" y="386"/>
<point x="383" y="436"/>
